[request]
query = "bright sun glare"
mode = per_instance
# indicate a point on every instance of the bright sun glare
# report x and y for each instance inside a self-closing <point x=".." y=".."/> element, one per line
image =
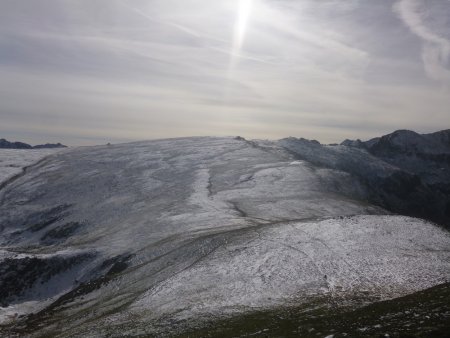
<point x="240" y="28"/>
<point x="245" y="7"/>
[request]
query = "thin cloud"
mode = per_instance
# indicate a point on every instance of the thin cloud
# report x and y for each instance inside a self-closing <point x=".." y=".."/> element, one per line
<point x="436" y="48"/>
<point x="317" y="69"/>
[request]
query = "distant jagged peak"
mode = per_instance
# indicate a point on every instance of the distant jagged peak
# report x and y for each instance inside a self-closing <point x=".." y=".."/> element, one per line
<point x="399" y="141"/>
<point x="5" y="144"/>
<point x="400" y="136"/>
<point x="410" y="142"/>
<point x="405" y="141"/>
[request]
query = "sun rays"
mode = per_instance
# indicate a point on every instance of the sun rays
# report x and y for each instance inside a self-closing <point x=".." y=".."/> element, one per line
<point x="240" y="29"/>
<point x="245" y="7"/>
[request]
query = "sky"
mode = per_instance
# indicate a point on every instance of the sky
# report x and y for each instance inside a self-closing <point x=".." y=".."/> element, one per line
<point x="85" y="72"/>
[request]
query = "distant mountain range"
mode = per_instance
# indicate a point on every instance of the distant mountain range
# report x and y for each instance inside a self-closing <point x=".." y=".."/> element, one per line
<point x="4" y="144"/>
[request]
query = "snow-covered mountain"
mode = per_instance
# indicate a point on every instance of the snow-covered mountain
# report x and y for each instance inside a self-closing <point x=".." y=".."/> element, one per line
<point x="404" y="172"/>
<point x="159" y="237"/>
<point x="426" y="155"/>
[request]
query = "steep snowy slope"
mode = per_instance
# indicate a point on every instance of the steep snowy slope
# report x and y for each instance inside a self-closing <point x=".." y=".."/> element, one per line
<point x="154" y="237"/>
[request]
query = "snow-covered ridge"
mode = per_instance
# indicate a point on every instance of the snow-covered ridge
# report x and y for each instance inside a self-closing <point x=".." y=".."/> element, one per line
<point x="12" y="161"/>
<point x="149" y="237"/>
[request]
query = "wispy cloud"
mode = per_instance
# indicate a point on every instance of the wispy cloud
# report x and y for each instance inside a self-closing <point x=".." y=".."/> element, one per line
<point x="436" y="48"/>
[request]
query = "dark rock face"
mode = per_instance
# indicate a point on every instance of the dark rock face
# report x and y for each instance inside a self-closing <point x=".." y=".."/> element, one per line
<point x="4" y="144"/>
<point x="406" y="172"/>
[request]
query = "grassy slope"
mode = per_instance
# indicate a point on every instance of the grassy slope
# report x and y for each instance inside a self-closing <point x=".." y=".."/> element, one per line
<point x="422" y="314"/>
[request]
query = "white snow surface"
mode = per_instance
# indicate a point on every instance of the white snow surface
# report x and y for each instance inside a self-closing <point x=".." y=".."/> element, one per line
<point x="213" y="227"/>
<point x="287" y="263"/>
<point x="12" y="161"/>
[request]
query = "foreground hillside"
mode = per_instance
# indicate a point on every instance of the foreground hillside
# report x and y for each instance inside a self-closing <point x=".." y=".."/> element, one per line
<point x="168" y="236"/>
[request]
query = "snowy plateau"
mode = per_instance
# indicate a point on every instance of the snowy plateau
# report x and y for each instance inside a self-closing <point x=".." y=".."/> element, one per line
<point x="160" y="238"/>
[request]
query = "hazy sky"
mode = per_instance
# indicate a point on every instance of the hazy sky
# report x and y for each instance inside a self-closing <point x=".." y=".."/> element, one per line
<point x="96" y="71"/>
